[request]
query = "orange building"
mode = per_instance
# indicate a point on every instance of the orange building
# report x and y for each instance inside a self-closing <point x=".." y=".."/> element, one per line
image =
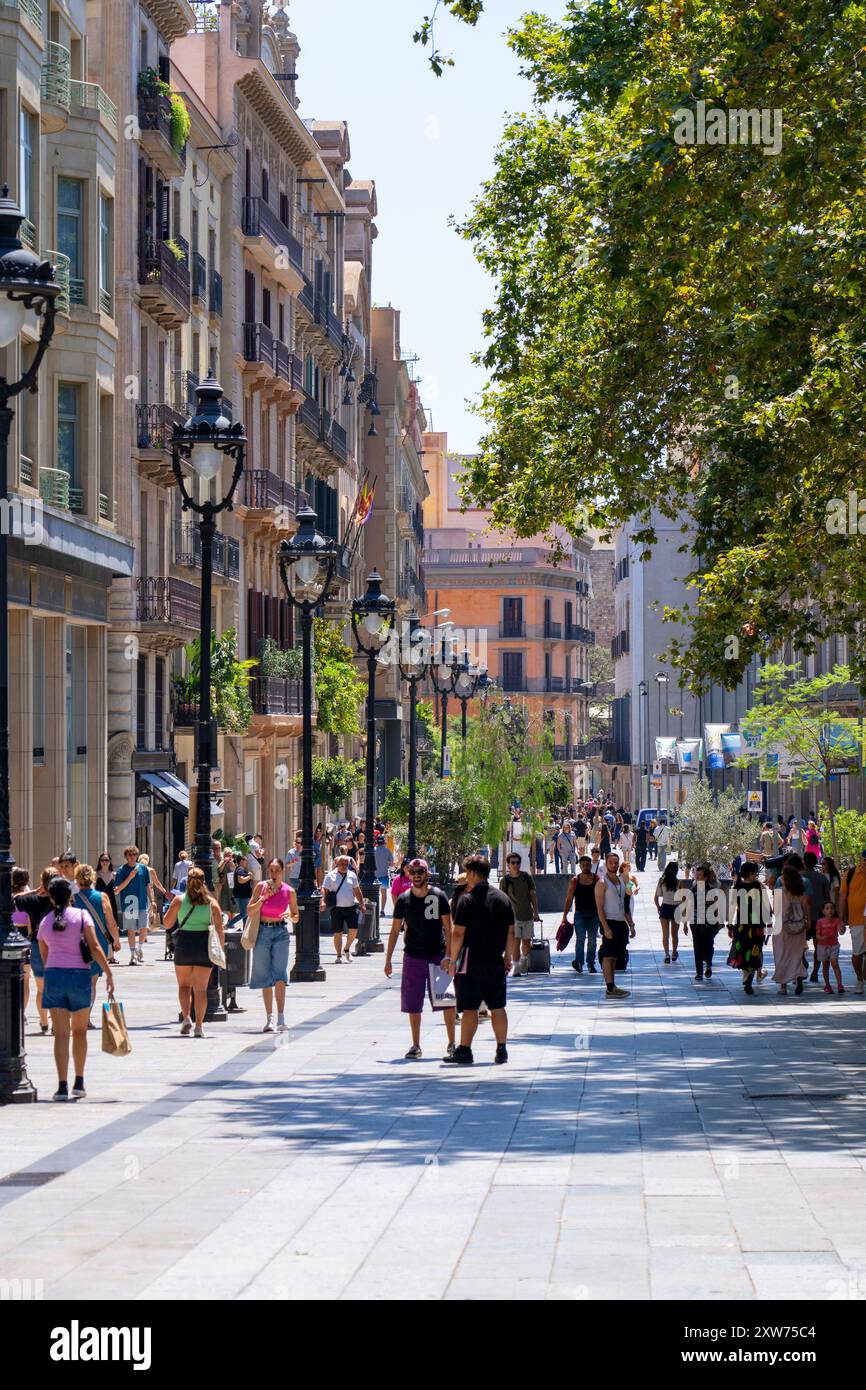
<point x="526" y="617"/>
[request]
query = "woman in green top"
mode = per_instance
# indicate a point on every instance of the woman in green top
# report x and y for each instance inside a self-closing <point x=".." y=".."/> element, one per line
<point x="194" y="914"/>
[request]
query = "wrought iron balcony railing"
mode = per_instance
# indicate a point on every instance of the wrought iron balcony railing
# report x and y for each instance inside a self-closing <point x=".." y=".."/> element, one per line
<point x="259" y="219"/>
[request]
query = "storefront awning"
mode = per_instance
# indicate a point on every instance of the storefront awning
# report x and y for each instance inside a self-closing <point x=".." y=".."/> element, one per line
<point x="174" y="792"/>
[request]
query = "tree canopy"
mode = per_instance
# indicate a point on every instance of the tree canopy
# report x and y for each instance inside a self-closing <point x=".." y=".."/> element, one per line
<point x="678" y="321"/>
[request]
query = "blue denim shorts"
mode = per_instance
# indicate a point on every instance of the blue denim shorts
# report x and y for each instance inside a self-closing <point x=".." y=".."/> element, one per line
<point x="270" y="956"/>
<point x="36" y="959"/>
<point x="67" y="989"/>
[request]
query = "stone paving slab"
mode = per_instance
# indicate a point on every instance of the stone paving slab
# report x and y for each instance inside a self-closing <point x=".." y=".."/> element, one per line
<point x="671" y="1145"/>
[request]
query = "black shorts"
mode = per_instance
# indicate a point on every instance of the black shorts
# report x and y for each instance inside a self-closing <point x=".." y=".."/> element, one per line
<point x="190" y="948"/>
<point x="617" y="947"/>
<point x="344" y="919"/>
<point x="484" y="982"/>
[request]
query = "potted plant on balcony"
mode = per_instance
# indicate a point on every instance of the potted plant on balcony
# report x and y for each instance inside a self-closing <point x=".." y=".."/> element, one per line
<point x="278" y="664"/>
<point x="177" y="251"/>
<point x="180" y="122"/>
<point x="230" y="679"/>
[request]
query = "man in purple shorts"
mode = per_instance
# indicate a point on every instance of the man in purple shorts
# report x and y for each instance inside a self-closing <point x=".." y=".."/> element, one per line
<point x="426" y="914"/>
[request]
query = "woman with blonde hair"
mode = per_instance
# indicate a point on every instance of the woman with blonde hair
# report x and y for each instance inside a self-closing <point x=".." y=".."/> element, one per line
<point x="194" y="914"/>
<point x="98" y="906"/>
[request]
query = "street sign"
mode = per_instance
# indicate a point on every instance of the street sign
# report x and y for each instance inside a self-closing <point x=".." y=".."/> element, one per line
<point x="656" y="783"/>
<point x="446" y="762"/>
<point x="216" y="778"/>
<point x="755" y="802"/>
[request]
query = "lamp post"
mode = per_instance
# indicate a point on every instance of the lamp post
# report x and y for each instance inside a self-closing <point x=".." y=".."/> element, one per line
<point x="443" y="679"/>
<point x="26" y="283"/>
<point x="465" y="687"/>
<point x="661" y="680"/>
<point x="643" y="714"/>
<point x="372" y="619"/>
<point x="312" y="556"/>
<point x="413" y="671"/>
<point x="205" y="442"/>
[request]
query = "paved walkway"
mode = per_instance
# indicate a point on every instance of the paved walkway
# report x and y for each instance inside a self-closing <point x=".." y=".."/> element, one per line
<point x="688" y="1142"/>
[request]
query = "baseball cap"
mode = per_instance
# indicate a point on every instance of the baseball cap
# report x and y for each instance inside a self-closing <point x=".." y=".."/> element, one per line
<point x="418" y="864"/>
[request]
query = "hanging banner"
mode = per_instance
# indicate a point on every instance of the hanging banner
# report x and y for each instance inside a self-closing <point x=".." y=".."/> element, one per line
<point x="842" y="743"/>
<point x="753" y="742"/>
<point x="689" y="754"/>
<point x="732" y="748"/>
<point x="713" y="737"/>
<point x="666" y="750"/>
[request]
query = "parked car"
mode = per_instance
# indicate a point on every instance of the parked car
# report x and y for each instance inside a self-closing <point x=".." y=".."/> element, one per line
<point x="648" y="813"/>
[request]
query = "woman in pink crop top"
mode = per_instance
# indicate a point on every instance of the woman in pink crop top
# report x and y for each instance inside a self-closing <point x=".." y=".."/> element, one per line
<point x="274" y="902"/>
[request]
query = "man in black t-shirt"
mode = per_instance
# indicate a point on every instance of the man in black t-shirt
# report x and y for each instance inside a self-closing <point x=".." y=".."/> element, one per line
<point x="482" y="939"/>
<point x="425" y="912"/>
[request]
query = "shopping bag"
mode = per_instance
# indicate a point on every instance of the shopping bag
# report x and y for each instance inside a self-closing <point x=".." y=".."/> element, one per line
<point x="442" y="992"/>
<point x="115" y="1038"/>
<point x="250" y="934"/>
<point x="214" y="948"/>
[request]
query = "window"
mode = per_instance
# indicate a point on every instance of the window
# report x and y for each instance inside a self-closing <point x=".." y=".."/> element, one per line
<point x="285" y="213"/>
<point x="159" y="703"/>
<point x="141" y="703"/>
<point x="27" y="190"/>
<point x="68" y="429"/>
<point x="70" y="233"/>
<point x="106" y="254"/>
<point x="512" y="670"/>
<point x="512" y="617"/>
<point x="106" y="457"/>
<point x="266" y="308"/>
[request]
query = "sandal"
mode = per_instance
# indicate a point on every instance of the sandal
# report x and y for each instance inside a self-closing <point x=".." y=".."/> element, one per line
<point x="667" y="960"/>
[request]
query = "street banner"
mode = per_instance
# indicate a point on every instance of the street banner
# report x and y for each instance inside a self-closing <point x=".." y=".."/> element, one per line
<point x="732" y="749"/>
<point x="713" y="737"/>
<point x="753" y="742"/>
<point x="689" y="754"/>
<point x="841" y="741"/>
<point x="666" y="750"/>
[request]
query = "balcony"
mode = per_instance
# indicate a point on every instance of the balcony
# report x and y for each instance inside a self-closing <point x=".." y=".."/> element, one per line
<point x="163" y="282"/>
<point x="267" y="504"/>
<point x="620" y="645"/>
<point x="26" y="9"/>
<point x="277" y="705"/>
<point x="410" y="589"/>
<point x="541" y="685"/>
<point x="522" y="556"/>
<point x="563" y="753"/>
<point x="321" y="442"/>
<point x="171" y="603"/>
<point x="154" y="122"/>
<point x="269" y="367"/>
<point x="56" y="490"/>
<point x="215" y="295"/>
<point x="61" y="275"/>
<point x="320" y="315"/>
<point x="187" y="551"/>
<point x="553" y="632"/>
<point x="89" y="99"/>
<point x="55" y="89"/>
<point x="199" y="278"/>
<point x="271" y="243"/>
<point x="579" y="634"/>
<point x="154" y="426"/>
<point x="511" y="629"/>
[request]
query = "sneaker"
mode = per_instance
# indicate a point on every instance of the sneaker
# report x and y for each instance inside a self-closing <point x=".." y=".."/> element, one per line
<point x="709" y="971"/>
<point x="78" y="1091"/>
<point x="140" y="956"/>
<point x="501" y="1054"/>
<point x="186" y="1028"/>
<point x="61" y="1094"/>
<point x="858" y="988"/>
<point x="617" y="993"/>
<point x="828" y="989"/>
<point x="578" y="968"/>
<point x="460" y="1057"/>
<point x="132" y="960"/>
<point x="44" y="1029"/>
<point x="842" y="990"/>
<point x="199" y="1033"/>
<point x="592" y="970"/>
<point x="339" y="960"/>
<point x="667" y="960"/>
<point x="413" y="1054"/>
<point x="282" y="1026"/>
<point x="449" y="1051"/>
<point x="699" y="978"/>
<point x="269" y="1026"/>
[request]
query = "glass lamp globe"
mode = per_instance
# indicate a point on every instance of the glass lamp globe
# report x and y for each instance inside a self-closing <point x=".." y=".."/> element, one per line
<point x="307" y="570"/>
<point x="373" y="622"/>
<point x="207" y="461"/>
<point x="12" y="316"/>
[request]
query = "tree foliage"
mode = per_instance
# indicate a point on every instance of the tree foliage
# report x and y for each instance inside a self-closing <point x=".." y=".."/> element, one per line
<point x="506" y="760"/>
<point x="469" y="11"/>
<point x="709" y="827"/>
<point x="395" y="803"/>
<point x="447" y="824"/>
<point x="230" y="680"/>
<point x="340" y="690"/>
<point x="682" y="326"/>
<point x="850" y="834"/>
<point x="334" y="780"/>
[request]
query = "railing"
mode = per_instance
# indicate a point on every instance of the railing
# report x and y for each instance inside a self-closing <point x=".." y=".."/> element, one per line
<point x="55" y="488"/>
<point x="275" y="695"/>
<point x="61" y="275"/>
<point x="258" y="344"/>
<point x="309" y="415"/>
<point x="215" y="297"/>
<point x="555" y="684"/>
<point x="27" y="234"/>
<point x="199" y="276"/>
<point x="167" y="601"/>
<point x="30" y="8"/>
<point x="338" y="441"/>
<point x="154" y="113"/>
<point x="185" y="714"/>
<point x="187" y="550"/>
<point x="263" y="490"/>
<point x="307" y="298"/>
<point x="407" y="501"/>
<point x="106" y="302"/>
<point x="77" y="290"/>
<point x="512" y="629"/>
<point x="25" y="470"/>
<point x="154" y="425"/>
<point x="207" y="21"/>
<point x="56" y="75"/>
<point x="158" y="265"/>
<point x="91" y="97"/>
<point x="620" y="645"/>
<point x="259" y="219"/>
<point x="562" y="753"/>
<point x="107" y="509"/>
<point x="574" y="633"/>
<point x="553" y="631"/>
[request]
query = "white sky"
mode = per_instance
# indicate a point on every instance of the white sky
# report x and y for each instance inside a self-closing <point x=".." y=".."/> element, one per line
<point x="429" y="143"/>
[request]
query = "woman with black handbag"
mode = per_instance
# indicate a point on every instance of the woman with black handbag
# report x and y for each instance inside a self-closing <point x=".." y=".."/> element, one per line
<point x="68" y="944"/>
<point x="195" y="913"/>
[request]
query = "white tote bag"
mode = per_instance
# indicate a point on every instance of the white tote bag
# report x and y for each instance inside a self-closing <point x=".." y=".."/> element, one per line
<point x="442" y="992"/>
<point x="214" y="948"/>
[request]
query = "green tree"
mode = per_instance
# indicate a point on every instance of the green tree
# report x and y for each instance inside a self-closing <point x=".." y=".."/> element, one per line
<point x="447" y="824"/>
<point x="334" y="780"/>
<point x="395" y="803"/>
<point x="680" y="321"/>
<point x="507" y="760"/>
<point x="469" y="11"/>
<point x="230" y="679"/>
<point x="791" y="721"/>
<point x="709" y="827"/>
<point x="850" y="834"/>
<point x="340" y="690"/>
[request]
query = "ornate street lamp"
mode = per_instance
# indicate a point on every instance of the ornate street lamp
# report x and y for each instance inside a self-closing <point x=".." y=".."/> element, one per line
<point x="26" y="284"/>
<point x="372" y="620"/>
<point x="465" y="686"/>
<point x="444" y="680"/>
<point x="205" y="442"/>
<point x="413" y="671"/>
<point x="313" y="558"/>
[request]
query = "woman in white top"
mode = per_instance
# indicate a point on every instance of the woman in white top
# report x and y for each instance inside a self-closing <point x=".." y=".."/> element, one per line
<point x="626" y="841"/>
<point x="666" y="899"/>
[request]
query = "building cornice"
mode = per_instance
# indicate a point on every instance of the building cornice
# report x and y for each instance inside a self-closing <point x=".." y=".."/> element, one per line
<point x="173" y="18"/>
<point x="262" y="92"/>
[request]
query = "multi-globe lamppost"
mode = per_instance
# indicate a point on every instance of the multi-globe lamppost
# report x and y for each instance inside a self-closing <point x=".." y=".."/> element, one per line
<point x="443" y="678"/>
<point x="26" y="284"/>
<point x="413" y="670"/>
<point x="313" y="558"/>
<point x="466" y="686"/>
<point x="205" y="442"/>
<point x="372" y="620"/>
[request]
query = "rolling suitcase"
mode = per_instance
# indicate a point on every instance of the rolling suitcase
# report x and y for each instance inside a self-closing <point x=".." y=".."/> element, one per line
<point x="539" y="957"/>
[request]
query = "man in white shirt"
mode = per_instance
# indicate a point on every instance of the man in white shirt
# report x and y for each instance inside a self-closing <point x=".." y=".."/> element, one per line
<point x="342" y="881"/>
<point x="255" y="860"/>
<point x="663" y="843"/>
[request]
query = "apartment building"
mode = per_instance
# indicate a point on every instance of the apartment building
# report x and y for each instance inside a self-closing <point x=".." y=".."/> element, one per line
<point x="59" y="152"/>
<point x="527" y="614"/>
<point x="395" y="532"/>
